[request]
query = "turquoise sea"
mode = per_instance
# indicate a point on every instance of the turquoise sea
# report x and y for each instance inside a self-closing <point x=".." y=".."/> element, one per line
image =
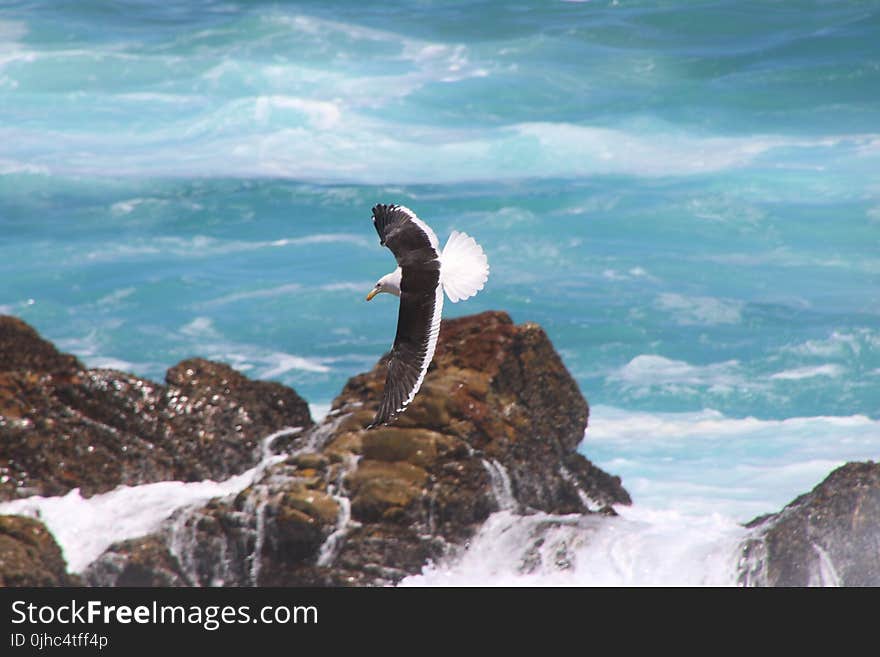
<point x="685" y="195"/>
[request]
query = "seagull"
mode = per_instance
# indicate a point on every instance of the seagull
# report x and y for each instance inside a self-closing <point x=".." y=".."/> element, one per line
<point x="423" y="274"/>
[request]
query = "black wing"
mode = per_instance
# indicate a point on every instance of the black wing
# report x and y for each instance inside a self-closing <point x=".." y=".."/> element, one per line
<point x="410" y="239"/>
<point x="421" y="303"/>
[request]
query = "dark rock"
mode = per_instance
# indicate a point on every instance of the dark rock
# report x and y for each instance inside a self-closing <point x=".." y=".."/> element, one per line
<point x="51" y="447"/>
<point x="209" y="403"/>
<point x="496" y="424"/>
<point x="23" y="350"/>
<point x="830" y="535"/>
<point x="275" y="528"/>
<point x="29" y="555"/>
<point x="145" y="561"/>
<point x="64" y="427"/>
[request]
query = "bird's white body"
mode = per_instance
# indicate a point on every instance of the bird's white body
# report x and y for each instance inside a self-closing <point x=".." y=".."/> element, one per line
<point x="464" y="269"/>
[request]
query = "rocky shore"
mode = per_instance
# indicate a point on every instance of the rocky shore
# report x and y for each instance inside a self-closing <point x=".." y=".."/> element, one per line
<point x="63" y="426"/>
<point x="827" y="537"/>
<point x="496" y="426"/>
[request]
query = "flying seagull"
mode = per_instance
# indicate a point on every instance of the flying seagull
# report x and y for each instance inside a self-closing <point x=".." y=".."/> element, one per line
<point x="422" y="275"/>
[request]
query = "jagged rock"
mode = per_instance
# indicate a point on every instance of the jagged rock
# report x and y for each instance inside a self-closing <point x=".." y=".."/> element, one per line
<point x="145" y="561"/>
<point x="29" y="555"/>
<point x="216" y="417"/>
<point x="276" y="526"/>
<point x="829" y="536"/>
<point x="65" y="427"/>
<point x="23" y="350"/>
<point x="501" y="389"/>
<point x="497" y="423"/>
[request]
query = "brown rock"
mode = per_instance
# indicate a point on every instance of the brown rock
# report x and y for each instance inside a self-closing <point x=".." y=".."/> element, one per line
<point x="63" y="427"/>
<point x="297" y="534"/>
<point x="384" y="490"/>
<point x="22" y="349"/>
<point x="420" y="447"/>
<point x="495" y="393"/>
<point x="501" y="389"/>
<point x="344" y="444"/>
<point x="29" y="556"/>
<point x="310" y="460"/>
<point x="369" y="471"/>
<point x="497" y="422"/>
<point x="315" y="504"/>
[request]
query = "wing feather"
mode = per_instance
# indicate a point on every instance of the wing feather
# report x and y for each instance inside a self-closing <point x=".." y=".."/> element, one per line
<point x="414" y="246"/>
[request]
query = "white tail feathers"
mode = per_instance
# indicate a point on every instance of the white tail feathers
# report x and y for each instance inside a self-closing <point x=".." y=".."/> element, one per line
<point x="464" y="268"/>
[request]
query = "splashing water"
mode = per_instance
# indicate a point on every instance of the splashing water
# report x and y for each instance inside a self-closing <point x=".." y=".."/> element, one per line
<point x="645" y="548"/>
<point x="85" y="527"/>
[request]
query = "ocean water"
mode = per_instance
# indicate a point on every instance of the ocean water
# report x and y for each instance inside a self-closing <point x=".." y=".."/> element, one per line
<point x="685" y="195"/>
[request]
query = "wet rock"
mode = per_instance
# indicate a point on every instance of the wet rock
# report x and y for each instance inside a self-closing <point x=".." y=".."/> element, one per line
<point x="829" y="536"/>
<point x="496" y="424"/>
<point x="385" y="491"/>
<point x="421" y="447"/>
<point x="65" y="427"/>
<point x="51" y="447"/>
<point x="29" y="555"/>
<point x="503" y="390"/>
<point x="145" y="561"/>
<point x="319" y="506"/>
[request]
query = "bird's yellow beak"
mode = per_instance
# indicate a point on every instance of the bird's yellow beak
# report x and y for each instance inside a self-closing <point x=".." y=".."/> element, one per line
<point x="373" y="293"/>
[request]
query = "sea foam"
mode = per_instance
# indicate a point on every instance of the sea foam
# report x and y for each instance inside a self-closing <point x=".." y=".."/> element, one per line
<point x="85" y="527"/>
<point x="695" y="479"/>
<point x="639" y="548"/>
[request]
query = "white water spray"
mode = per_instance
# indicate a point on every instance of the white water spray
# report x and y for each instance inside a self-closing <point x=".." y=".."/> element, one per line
<point x="639" y="548"/>
<point x="85" y="527"/>
<point x="502" y="489"/>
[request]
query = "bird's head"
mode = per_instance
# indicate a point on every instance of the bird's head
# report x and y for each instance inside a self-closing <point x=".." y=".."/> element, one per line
<point x="389" y="283"/>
